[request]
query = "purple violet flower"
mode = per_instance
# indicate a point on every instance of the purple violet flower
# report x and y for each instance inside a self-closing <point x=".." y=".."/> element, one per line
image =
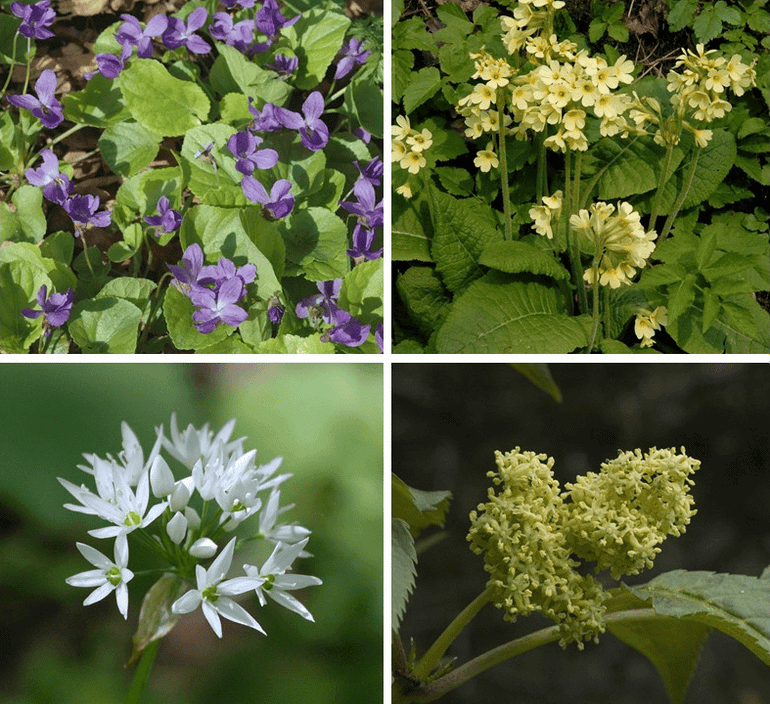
<point x="244" y="4"/>
<point x="323" y="304"/>
<point x="187" y="274"/>
<point x="378" y="338"/>
<point x="180" y="34"/>
<point x="275" y="310"/>
<point x="35" y="19"/>
<point x="82" y="210"/>
<point x="130" y="34"/>
<point x="363" y="239"/>
<point x="243" y="146"/>
<point x="363" y="135"/>
<point x="278" y="204"/>
<point x="56" y="310"/>
<point x="284" y="65"/>
<point x="369" y="214"/>
<point x="45" y="107"/>
<point x="350" y="54"/>
<point x="109" y="65"/>
<point x="270" y="20"/>
<point x="312" y="130"/>
<point x="218" y="306"/>
<point x="265" y="120"/>
<point x="56" y="185"/>
<point x="348" y="331"/>
<point x="218" y="274"/>
<point x="169" y="219"/>
<point x="373" y="171"/>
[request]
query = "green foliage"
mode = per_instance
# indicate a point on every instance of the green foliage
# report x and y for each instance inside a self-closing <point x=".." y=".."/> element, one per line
<point x="608" y="19"/>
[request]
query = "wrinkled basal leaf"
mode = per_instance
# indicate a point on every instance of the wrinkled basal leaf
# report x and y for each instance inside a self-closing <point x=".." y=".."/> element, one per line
<point x="155" y="617"/>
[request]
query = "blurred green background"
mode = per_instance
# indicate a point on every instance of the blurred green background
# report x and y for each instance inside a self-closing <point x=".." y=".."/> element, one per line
<point x="325" y="420"/>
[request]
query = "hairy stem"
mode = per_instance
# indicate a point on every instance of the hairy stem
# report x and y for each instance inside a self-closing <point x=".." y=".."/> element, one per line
<point x="685" y="190"/>
<point x="663" y="181"/>
<point x="504" y="163"/>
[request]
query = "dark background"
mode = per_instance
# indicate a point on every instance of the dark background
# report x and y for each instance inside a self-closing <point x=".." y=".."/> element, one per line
<point x="448" y="419"/>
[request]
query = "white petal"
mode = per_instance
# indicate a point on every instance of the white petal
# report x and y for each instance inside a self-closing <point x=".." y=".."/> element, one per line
<point x="153" y="513"/>
<point x="187" y="602"/>
<point x="161" y="478"/>
<point x="92" y="578"/>
<point x="121" y="595"/>
<point x="176" y="528"/>
<point x="98" y="594"/>
<point x="290" y="603"/>
<point x="94" y="556"/>
<point x="212" y="617"/>
<point x="203" y="548"/>
<point x="121" y="550"/>
<point x="230" y="610"/>
<point x="239" y="585"/>
<point x="221" y="565"/>
<point x="296" y="581"/>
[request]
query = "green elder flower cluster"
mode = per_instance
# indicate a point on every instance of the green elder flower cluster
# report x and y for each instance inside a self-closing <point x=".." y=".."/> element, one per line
<point x="530" y="532"/>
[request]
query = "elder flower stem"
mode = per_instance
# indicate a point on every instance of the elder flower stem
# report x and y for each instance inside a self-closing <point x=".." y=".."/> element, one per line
<point x="504" y="163"/>
<point x="428" y="661"/>
<point x="437" y="689"/>
<point x="142" y="673"/>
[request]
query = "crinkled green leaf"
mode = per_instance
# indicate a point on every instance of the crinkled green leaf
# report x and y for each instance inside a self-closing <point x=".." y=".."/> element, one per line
<point x="316" y="244"/>
<point x="424" y="296"/>
<point x="499" y="315"/>
<point x="423" y="86"/>
<point x="462" y="228"/>
<point x="514" y="256"/>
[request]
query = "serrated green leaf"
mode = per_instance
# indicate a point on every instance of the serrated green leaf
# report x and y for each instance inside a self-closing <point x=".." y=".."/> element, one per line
<point x="423" y="86"/>
<point x="163" y="104"/>
<point x="515" y="256"/>
<point x="732" y="603"/>
<point x="681" y="13"/>
<point x="707" y="25"/>
<point x="403" y="572"/>
<point x="401" y="69"/>
<point x="498" y="314"/>
<point x="681" y="298"/>
<point x="316" y="38"/>
<point x="412" y="34"/>
<point x="418" y="509"/>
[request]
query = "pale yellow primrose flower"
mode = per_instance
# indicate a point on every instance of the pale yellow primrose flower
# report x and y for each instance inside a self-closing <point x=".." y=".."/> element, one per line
<point x="419" y="141"/>
<point x="402" y="129"/>
<point x="412" y="162"/>
<point x="486" y="159"/>
<point x="648" y="322"/>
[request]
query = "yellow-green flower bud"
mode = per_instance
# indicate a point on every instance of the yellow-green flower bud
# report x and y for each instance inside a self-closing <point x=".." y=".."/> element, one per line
<point x="619" y="517"/>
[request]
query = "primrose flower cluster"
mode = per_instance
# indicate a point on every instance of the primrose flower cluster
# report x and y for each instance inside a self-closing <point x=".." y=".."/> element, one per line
<point x="408" y="149"/>
<point x="528" y="531"/>
<point x="189" y="529"/>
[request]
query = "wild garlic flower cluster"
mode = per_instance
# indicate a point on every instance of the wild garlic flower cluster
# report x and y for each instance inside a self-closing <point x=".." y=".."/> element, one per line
<point x="222" y="488"/>
<point x="408" y="148"/>
<point x="699" y="95"/>
<point x="529" y="531"/>
<point x="647" y="323"/>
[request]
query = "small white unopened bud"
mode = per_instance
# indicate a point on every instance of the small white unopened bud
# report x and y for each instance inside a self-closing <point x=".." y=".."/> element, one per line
<point x="181" y="494"/>
<point x="203" y="548"/>
<point x="193" y="519"/>
<point x="176" y="528"/>
<point x="161" y="478"/>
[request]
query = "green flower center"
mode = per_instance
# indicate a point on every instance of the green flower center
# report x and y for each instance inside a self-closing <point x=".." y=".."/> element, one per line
<point x="133" y="519"/>
<point x="210" y="594"/>
<point x="113" y="575"/>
